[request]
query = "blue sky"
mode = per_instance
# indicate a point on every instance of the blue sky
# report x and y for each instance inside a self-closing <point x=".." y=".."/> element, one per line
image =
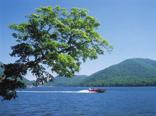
<point x="128" y="25"/>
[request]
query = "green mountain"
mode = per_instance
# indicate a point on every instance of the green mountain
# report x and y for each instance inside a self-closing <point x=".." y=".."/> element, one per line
<point x="131" y="72"/>
<point x="27" y="82"/>
<point x="63" y="81"/>
<point x="1" y="69"/>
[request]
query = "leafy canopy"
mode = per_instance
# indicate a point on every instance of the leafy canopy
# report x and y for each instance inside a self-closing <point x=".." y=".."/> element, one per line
<point x="57" y="38"/>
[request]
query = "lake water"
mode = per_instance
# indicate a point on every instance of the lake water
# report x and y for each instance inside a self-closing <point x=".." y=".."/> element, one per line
<point x="68" y="101"/>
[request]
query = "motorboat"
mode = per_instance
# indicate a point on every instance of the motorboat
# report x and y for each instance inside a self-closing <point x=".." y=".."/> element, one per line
<point x="96" y="90"/>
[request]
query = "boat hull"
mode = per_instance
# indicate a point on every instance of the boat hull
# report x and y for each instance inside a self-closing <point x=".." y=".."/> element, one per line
<point x="96" y="90"/>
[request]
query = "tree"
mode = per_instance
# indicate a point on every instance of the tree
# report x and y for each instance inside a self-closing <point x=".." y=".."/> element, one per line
<point x="57" y="38"/>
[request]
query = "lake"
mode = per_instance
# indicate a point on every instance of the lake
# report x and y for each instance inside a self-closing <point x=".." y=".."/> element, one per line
<point x="68" y="101"/>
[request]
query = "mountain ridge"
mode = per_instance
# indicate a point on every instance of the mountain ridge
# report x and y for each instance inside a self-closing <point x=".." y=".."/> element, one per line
<point x="130" y="72"/>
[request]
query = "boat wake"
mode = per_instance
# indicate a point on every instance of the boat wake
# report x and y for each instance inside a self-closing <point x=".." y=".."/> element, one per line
<point x="83" y="91"/>
<point x="80" y="91"/>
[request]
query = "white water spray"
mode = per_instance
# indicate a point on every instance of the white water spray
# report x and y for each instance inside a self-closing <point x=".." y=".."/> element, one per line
<point x="81" y="91"/>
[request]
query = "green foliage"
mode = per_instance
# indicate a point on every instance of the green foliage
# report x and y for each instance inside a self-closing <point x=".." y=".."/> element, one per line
<point x="57" y="38"/>
<point x="11" y="79"/>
